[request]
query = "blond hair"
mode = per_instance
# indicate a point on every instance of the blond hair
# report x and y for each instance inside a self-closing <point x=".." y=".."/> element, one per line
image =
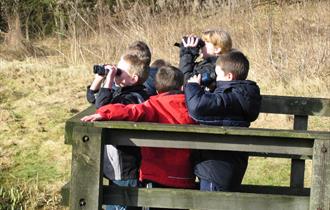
<point x="141" y="50"/>
<point x="219" y="38"/>
<point x="137" y="67"/>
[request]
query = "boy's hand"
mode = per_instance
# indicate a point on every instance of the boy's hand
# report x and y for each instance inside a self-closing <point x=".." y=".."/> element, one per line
<point x="96" y="82"/>
<point x="195" y="79"/>
<point x="110" y="76"/>
<point x="190" y="41"/>
<point x="92" y="118"/>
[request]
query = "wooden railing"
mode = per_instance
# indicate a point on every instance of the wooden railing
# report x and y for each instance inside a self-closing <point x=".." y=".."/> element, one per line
<point x="86" y="189"/>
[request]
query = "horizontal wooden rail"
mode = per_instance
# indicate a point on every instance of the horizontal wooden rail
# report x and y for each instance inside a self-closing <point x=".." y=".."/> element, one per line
<point x="174" y="139"/>
<point x="194" y="199"/>
<point x="197" y="129"/>
<point x="261" y="189"/>
<point x="295" y="105"/>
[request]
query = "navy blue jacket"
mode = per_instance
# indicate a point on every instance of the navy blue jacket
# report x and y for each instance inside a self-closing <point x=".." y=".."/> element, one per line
<point x="233" y="103"/>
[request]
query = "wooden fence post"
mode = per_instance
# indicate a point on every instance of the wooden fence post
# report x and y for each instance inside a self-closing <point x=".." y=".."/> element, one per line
<point x="87" y="151"/>
<point x="320" y="189"/>
<point x="297" y="165"/>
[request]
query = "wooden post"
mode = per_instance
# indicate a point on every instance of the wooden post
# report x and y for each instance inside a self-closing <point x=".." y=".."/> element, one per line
<point x="320" y="189"/>
<point x="297" y="165"/>
<point x="86" y="175"/>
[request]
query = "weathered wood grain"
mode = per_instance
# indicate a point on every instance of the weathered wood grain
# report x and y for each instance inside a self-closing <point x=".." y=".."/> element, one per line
<point x="298" y="165"/>
<point x="86" y="170"/>
<point x="87" y="140"/>
<point x="195" y="129"/>
<point x="320" y="189"/>
<point x="295" y="105"/>
<point x="292" y="146"/>
<point x="194" y="199"/>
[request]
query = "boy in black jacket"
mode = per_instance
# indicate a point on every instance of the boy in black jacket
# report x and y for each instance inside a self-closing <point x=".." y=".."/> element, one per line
<point x="212" y="44"/>
<point x="121" y="164"/>
<point x="234" y="102"/>
<point x="138" y="48"/>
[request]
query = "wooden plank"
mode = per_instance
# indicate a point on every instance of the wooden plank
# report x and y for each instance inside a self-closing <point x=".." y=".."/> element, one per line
<point x="197" y="129"/>
<point x="297" y="173"/>
<point x="65" y="190"/>
<point x="264" y="189"/>
<point x="265" y="154"/>
<point x="69" y="125"/>
<point x="320" y="189"/>
<point x="300" y="122"/>
<point x="207" y="141"/>
<point x="298" y="165"/>
<point x="86" y="170"/>
<point x="295" y="105"/>
<point x="195" y="199"/>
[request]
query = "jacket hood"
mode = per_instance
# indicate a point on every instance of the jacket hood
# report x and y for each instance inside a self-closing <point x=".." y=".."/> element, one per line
<point x="171" y="108"/>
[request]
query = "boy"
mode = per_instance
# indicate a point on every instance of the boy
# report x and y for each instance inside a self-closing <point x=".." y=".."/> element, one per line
<point x="150" y="82"/>
<point x="128" y="77"/>
<point x="121" y="164"/>
<point x="234" y="102"/>
<point x="138" y="48"/>
<point x="168" y="106"/>
<point x="212" y="44"/>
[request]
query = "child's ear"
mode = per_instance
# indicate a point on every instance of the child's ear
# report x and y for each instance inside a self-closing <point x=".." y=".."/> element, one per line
<point x="135" y="78"/>
<point x="230" y="76"/>
<point x="217" y="50"/>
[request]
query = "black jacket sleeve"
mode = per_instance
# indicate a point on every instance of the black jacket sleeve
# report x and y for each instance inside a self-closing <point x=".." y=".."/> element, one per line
<point x="188" y="56"/>
<point x="90" y="95"/>
<point x="104" y="97"/>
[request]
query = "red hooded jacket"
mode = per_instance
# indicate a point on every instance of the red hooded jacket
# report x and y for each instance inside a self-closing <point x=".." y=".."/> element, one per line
<point x="166" y="166"/>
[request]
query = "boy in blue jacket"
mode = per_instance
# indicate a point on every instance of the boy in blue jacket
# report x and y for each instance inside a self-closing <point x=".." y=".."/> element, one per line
<point x="234" y="102"/>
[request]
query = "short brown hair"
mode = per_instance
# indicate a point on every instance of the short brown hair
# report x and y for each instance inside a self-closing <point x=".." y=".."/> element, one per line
<point x="234" y="62"/>
<point x="137" y="67"/>
<point x="141" y="50"/>
<point x="219" y="38"/>
<point x="168" y="78"/>
<point x="159" y="63"/>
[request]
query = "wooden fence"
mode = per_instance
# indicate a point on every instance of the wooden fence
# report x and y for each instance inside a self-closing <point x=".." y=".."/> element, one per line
<point x="87" y="191"/>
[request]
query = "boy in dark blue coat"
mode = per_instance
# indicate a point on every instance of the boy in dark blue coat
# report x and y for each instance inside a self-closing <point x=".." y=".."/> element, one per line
<point x="234" y="102"/>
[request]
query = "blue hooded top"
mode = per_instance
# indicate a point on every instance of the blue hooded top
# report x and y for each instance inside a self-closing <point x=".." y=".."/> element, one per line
<point x="233" y="103"/>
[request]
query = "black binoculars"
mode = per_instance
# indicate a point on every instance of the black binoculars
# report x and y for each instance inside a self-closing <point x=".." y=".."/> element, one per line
<point x="100" y="70"/>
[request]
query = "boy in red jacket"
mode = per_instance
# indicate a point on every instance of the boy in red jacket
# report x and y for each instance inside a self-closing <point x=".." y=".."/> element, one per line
<point x="162" y="166"/>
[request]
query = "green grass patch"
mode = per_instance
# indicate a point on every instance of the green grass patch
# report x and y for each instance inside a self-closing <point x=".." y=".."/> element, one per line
<point x="34" y="164"/>
<point x="268" y="171"/>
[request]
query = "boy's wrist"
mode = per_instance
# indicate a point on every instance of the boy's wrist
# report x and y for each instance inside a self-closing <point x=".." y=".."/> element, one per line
<point x="91" y="90"/>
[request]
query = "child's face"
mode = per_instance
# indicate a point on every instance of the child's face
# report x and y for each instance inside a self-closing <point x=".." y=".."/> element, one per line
<point x="209" y="50"/>
<point x="221" y="76"/>
<point x="125" y="79"/>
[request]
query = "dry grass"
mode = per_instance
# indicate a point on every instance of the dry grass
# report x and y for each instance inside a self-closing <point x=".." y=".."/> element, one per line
<point x="288" y="47"/>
